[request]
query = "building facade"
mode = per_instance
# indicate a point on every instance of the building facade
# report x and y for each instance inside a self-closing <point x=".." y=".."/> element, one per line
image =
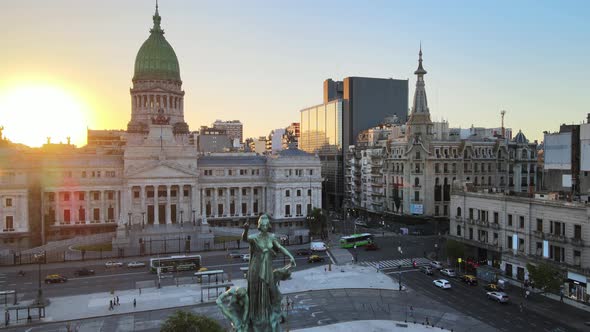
<point x="233" y="128"/>
<point x="152" y="175"/>
<point x="422" y="159"/>
<point x="509" y="231"/>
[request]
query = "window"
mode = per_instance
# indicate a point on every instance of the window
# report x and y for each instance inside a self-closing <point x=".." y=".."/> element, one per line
<point x="496" y="218"/>
<point x="229" y="172"/>
<point x="255" y="191"/>
<point x="436" y="210"/>
<point x="298" y="210"/>
<point x="173" y="193"/>
<point x="243" y="172"/>
<point x="208" y="172"/>
<point x="308" y="192"/>
<point x="111" y="213"/>
<point x="66" y="197"/>
<point x="539" y="225"/>
<point x="509" y="242"/>
<point x="232" y="192"/>
<point x="298" y="192"/>
<point x="220" y="192"/>
<point x="470" y="213"/>
<point x="470" y="233"/>
<point x="185" y="192"/>
<point x="521" y="244"/>
<point x="417" y="155"/>
<point x="208" y="192"/>
<point x="51" y="197"/>
<point x="67" y="216"/>
<point x="8" y="202"/>
<point x="311" y="172"/>
<point x="578" y="232"/>
<point x="150" y="193"/>
<point x="521" y="221"/>
<point x="136" y="194"/>
<point x="243" y="191"/>
<point x="82" y="214"/>
<point x="287" y="210"/>
<point x="308" y="209"/>
<point x="458" y="230"/>
<point x="220" y="209"/>
<point x="287" y="193"/>
<point x="96" y="195"/>
<point x="9" y="226"/>
<point x="458" y="211"/>
<point x="244" y="208"/>
<point x="96" y="214"/>
<point x="255" y="207"/>
<point x="416" y="182"/>
<point x="509" y="220"/>
<point x="416" y="196"/>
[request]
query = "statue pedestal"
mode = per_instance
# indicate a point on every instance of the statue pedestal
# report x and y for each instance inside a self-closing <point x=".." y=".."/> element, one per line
<point x="121" y="238"/>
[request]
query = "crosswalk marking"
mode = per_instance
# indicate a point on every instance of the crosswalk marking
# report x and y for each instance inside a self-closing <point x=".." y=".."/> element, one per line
<point x="395" y="263"/>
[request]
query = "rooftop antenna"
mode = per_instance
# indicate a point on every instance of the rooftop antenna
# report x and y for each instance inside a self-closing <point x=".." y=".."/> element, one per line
<point x="503" y="112"/>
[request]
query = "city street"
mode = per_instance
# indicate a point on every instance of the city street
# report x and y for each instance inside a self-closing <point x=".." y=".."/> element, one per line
<point x="119" y="278"/>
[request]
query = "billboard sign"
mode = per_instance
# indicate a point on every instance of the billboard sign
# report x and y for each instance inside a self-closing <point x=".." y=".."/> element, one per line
<point x="558" y="151"/>
<point x="416" y="209"/>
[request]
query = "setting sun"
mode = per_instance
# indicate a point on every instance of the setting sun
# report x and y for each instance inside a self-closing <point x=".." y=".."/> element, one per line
<point x="32" y="112"/>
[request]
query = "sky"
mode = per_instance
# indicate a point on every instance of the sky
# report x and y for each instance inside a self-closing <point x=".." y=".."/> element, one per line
<point x="66" y="65"/>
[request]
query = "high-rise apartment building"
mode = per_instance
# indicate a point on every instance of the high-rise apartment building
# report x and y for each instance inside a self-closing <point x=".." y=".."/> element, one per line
<point x="349" y="106"/>
<point x="233" y="128"/>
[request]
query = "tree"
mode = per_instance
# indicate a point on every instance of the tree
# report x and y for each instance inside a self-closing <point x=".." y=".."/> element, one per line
<point x="318" y="222"/>
<point x="455" y="249"/>
<point x="189" y="322"/>
<point x="545" y="277"/>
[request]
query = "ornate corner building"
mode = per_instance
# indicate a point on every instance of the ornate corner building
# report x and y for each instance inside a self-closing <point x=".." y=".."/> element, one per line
<point x="148" y="175"/>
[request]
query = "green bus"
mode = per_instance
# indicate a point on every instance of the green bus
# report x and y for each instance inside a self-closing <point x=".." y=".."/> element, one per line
<point x="175" y="263"/>
<point x="356" y="240"/>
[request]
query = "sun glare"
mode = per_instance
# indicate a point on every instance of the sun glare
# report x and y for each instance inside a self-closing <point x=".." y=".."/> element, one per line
<point x="31" y="113"/>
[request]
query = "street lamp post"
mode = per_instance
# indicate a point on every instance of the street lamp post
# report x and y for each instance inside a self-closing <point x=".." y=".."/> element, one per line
<point x="181" y="219"/>
<point x="142" y="220"/>
<point x="39" y="257"/>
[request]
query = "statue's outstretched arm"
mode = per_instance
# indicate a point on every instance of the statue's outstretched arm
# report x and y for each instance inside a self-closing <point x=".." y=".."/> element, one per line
<point x="285" y="252"/>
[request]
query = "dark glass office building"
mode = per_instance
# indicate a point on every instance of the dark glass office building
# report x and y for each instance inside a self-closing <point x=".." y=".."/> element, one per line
<point x="350" y="106"/>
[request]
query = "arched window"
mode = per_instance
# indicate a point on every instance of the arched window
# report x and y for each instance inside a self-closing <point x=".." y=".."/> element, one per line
<point x="416" y="181"/>
<point x="458" y="211"/>
<point x="436" y="182"/>
<point x="458" y="230"/>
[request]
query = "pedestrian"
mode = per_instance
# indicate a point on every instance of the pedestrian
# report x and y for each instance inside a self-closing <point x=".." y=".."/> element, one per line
<point x="134" y="303"/>
<point x="117" y="299"/>
<point x="111" y="305"/>
<point x="561" y="296"/>
<point x="139" y="290"/>
<point x="29" y="319"/>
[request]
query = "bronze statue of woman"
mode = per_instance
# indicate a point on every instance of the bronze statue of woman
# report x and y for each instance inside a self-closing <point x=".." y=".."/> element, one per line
<point x="262" y="291"/>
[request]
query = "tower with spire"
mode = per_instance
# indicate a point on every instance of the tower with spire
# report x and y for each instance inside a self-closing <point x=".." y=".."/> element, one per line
<point x="419" y="126"/>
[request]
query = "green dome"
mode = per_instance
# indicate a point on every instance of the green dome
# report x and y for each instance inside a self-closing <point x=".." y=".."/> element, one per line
<point x="156" y="59"/>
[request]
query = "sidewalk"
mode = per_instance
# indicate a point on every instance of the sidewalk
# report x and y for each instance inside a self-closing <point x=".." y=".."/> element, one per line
<point x="548" y="304"/>
<point x="373" y="326"/>
<point x="96" y="305"/>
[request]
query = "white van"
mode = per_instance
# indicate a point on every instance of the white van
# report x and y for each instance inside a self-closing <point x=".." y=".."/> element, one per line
<point x="318" y="246"/>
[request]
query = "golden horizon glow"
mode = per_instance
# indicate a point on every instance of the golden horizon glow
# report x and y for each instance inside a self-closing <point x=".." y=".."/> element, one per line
<point x="32" y="111"/>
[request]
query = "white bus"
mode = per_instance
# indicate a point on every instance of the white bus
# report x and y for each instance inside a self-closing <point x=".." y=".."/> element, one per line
<point x="175" y="263"/>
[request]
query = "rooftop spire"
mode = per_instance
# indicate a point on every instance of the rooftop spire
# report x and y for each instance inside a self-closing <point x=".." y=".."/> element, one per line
<point x="157" y="20"/>
<point x="420" y="113"/>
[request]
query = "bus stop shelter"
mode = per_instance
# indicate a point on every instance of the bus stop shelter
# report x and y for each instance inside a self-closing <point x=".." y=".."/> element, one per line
<point x="6" y="295"/>
<point x="28" y="312"/>
<point x="222" y="286"/>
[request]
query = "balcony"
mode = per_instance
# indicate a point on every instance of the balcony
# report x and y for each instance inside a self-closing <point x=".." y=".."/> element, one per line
<point x="8" y="230"/>
<point x="578" y="242"/>
<point x="539" y="234"/>
<point x="471" y="221"/>
<point x="416" y="171"/>
<point x="495" y="225"/>
<point x="483" y="223"/>
<point x="556" y="238"/>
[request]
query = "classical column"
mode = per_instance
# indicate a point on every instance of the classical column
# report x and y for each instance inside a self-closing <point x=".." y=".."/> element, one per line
<point x="239" y="207"/>
<point x="194" y="201"/>
<point x="87" y="209"/>
<point x="168" y="215"/>
<point x="251" y="208"/>
<point x="142" y="194"/>
<point x="226" y="210"/>
<point x="156" y="205"/>
<point x="214" y="204"/>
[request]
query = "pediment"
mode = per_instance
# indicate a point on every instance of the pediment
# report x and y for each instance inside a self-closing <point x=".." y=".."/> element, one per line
<point x="160" y="170"/>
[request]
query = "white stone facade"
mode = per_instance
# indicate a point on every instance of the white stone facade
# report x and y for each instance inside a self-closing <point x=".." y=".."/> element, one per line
<point x="511" y="231"/>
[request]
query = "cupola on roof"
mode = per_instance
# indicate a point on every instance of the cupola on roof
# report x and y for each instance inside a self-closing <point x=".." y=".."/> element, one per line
<point x="156" y="59"/>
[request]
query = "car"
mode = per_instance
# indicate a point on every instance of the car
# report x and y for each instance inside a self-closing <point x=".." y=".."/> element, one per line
<point x="113" y="264"/>
<point x="442" y="283"/>
<point x="426" y="270"/>
<point x="84" y="272"/>
<point x="448" y="272"/>
<point x="491" y="287"/>
<point x="318" y="246"/>
<point x="469" y="279"/>
<point x="371" y="246"/>
<point x="303" y="252"/>
<point x="315" y="259"/>
<point x="234" y="254"/>
<point x="55" y="278"/>
<point x="436" y="265"/>
<point x="135" y="264"/>
<point x="499" y="297"/>
<point x="246" y="257"/>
